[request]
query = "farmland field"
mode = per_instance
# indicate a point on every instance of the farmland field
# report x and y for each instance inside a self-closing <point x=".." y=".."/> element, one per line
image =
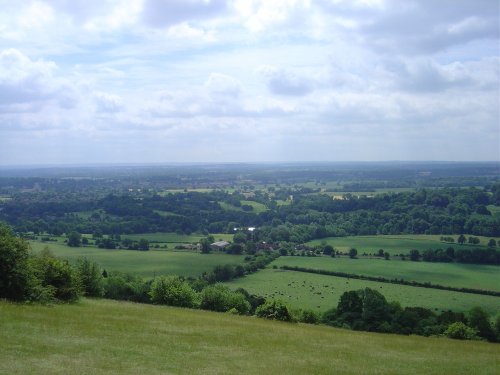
<point x="321" y="292"/>
<point x="108" y="337"/>
<point x="394" y="245"/>
<point x="175" y="238"/>
<point x="448" y="274"/>
<point x="143" y="263"/>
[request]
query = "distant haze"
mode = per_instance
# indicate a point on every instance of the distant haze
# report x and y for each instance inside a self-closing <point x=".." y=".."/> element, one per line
<point x="162" y="81"/>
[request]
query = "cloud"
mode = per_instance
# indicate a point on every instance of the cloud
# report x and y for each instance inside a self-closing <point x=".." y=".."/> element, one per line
<point x="108" y="103"/>
<point x="162" y="13"/>
<point x="24" y="81"/>
<point x="287" y="83"/>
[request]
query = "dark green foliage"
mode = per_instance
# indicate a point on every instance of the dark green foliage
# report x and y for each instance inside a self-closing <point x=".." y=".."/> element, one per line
<point x="218" y="297"/>
<point x="274" y="309"/>
<point x="16" y="277"/>
<point x="328" y="250"/>
<point x="74" y="239"/>
<point x="414" y="255"/>
<point x="173" y="291"/>
<point x="56" y="276"/>
<point x="121" y="286"/>
<point x="309" y="316"/>
<point x="480" y="321"/>
<point x="91" y="278"/>
<point x="353" y="253"/>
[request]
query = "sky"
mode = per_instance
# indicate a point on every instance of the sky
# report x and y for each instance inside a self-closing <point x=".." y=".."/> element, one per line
<point x="158" y="81"/>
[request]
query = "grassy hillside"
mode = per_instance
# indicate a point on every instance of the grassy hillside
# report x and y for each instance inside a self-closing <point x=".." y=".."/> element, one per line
<point x="143" y="263"/>
<point x="105" y="337"/>
<point x="393" y="244"/>
<point x="321" y="292"/>
<point x="459" y="275"/>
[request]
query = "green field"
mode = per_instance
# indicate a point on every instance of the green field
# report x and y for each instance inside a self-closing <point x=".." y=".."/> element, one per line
<point x="393" y="244"/>
<point x="448" y="274"/>
<point x="321" y="292"/>
<point x="175" y="238"/>
<point x="257" y="207"/>
<point x="143" y="263"/>
<point x="495" y="210"/>
<point x="108" y="337"/>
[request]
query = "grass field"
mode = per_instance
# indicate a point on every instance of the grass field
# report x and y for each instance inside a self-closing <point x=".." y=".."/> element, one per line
<point x="449" y="274"/>
<point x="495" y="210"/>
<point x="321" y="292"/>
<point x="393" y="244"/>
<point x="176" y="238"/>
<point x="108" y="337"/>
<point x="143" y="263"/>
<point x="257" y="207"/>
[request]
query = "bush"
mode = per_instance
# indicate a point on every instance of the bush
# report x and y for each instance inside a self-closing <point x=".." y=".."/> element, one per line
<point x="120" y="286"/>
<point x="275" y="310"/>
<point x="460" y="331"/>
<point x="220" y="298"/>
<point x="173" y="291"/>
<point x="309" y="316"/>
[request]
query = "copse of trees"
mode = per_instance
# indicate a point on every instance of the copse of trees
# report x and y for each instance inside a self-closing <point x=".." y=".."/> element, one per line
<point x="368" y="310"/>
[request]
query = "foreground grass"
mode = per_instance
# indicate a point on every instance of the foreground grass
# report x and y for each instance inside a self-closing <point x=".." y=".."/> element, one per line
<point x="143" y="263"/>
<point x="321" y="292"/>
<point x="393" y="244"/>
<point x="106" y="337"/>
<point x="458" y="275"/>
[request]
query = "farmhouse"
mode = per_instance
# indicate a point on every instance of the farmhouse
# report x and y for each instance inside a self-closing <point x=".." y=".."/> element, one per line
<point x="219" y="245"/>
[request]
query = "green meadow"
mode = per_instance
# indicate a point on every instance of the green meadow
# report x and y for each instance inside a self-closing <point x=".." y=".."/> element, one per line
<point x="176" y="238"/>
<point x="321" y="292"/>
<point x="393" y="244"/>
<point x="109" y="337"/>
<point x="459" y="275"/>
<point x="143" y="263"/>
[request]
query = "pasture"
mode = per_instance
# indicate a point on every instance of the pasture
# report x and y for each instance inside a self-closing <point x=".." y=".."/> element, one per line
<point x="458" y="275"/>
<point x="321" y="292"/>
<point x="393" y="244"/>
<point x="175" y="238"/>
<point x="109" y="337"/>
<point x="143" y="263"/>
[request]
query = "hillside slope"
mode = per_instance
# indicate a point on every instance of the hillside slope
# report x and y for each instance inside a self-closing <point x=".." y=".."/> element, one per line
<point x="107" y="337"/>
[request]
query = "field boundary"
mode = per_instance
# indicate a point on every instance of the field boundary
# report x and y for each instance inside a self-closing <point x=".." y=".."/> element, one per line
<point x="391" y="281"/>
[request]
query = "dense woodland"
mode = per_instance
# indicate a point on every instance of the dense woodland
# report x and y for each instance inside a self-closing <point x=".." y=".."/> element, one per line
<point x="307" y="215"/>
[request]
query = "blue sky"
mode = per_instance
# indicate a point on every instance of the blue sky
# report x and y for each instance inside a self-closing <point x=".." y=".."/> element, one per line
<point x="143" y="81"/>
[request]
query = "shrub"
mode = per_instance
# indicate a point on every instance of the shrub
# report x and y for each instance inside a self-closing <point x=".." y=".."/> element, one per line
<point x="220" y="298"/>
<point x="460" y="331"/>
<point x="173" y="291"/>
<point x="309" y="316"/>
<point x="274" y="309"/>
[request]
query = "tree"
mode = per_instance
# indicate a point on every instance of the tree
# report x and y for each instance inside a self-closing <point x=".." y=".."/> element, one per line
<point x="205" y="245"/>
<point x="492" y="243"/>
<point x="91" y="277"/>
<point x="353" y="253"/>
<point x="143" y="244"/>
<point x="414" y="255"/>
<point x="16" y="278"/>
<point x="173" y="291"/>
<point x="74" y="239"/>
<point x="328" y="250"/>
<point x="56" y="276"/>
<point x="480" y="321"/>
<point x="461" y="239"/>
<point x="387" y="255"/>
<point x="350" y="307"/>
